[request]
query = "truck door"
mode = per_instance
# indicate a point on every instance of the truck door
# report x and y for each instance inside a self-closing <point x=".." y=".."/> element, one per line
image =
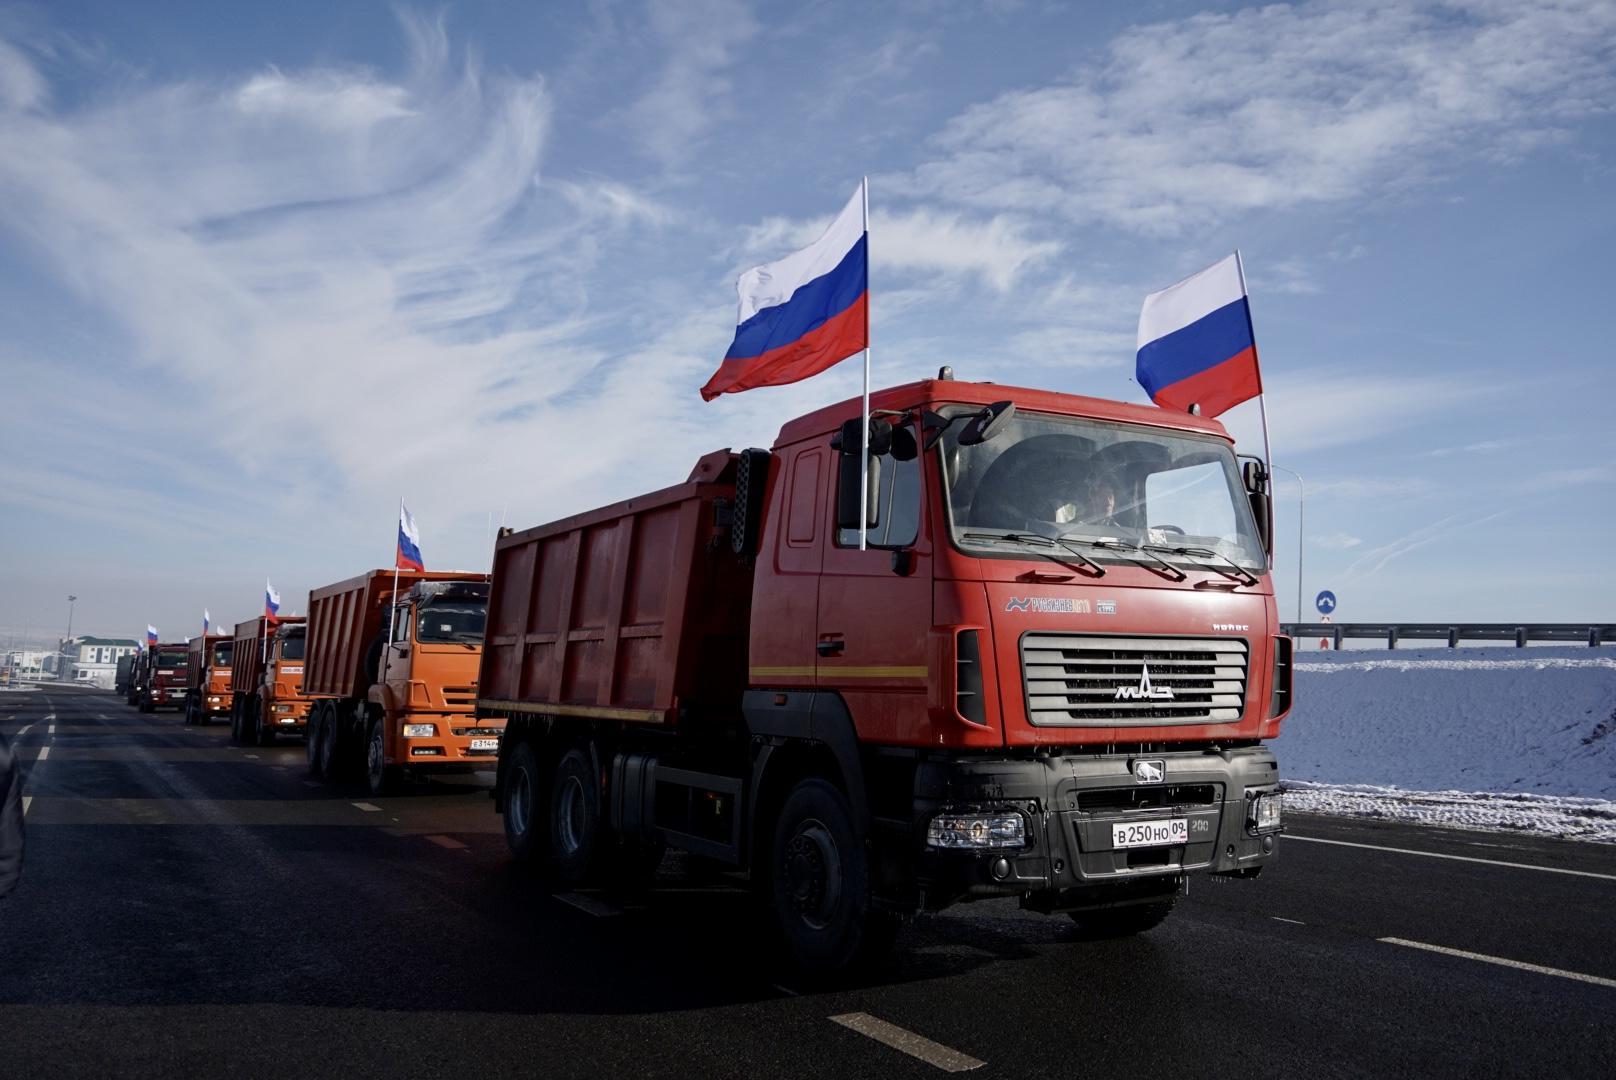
<point x="875" y="606"/>
<point x="785" y="600"/>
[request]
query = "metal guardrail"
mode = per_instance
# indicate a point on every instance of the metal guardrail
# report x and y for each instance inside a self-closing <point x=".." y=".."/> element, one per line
<point x="1453" y="633"/>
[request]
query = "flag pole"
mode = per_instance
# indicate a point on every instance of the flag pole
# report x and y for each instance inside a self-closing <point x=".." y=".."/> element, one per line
<point x="864" y="457"/>
<point x="1262" y="398"/>
<point x="392" y="606"/>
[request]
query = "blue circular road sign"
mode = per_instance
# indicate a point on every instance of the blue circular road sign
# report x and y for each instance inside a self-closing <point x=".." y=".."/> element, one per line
<point x="1325" y="602"/>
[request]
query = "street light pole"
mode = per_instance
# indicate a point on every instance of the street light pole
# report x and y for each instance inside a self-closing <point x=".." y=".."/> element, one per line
<point x="1301" y="530"/>
<point x="67" y="642"/>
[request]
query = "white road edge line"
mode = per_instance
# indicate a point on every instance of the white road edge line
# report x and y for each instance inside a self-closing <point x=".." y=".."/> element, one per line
<point x="588" y="905"/>
<point x="369" y="807"/>
<point x="906" y="1041"/>
<point x="1501" y="961"/>
<point x="1457" y="858"/>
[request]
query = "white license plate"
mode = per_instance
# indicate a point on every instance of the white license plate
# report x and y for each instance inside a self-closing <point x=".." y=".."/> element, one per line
<point x="1130" y="834"/>
<point x="485" y="744"/>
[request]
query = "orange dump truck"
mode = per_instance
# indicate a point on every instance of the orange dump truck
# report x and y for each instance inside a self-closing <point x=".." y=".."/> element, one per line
<point x="207" y="678"/>
<point x="267" y="698"/>
<point x="393" y="671"/>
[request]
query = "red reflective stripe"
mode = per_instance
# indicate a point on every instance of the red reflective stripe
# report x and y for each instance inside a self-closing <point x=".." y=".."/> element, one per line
<point x="1218" y="388"/>
<point x="810" y="354"/>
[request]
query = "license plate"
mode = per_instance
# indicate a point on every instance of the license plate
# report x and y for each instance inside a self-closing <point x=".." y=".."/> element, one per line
<point x="485" y="744"/>
<point x="1131" y="834"/>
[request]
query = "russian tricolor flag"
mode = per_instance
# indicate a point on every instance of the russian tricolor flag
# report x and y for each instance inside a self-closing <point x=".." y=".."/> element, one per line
<point x="804" y="313"/>
<point x="1196" y="345"/>
<point x="272" y="604"/>
<point x="151" y="634"/>
<point x="207" y="621"/>
<point x="409" y="542"/>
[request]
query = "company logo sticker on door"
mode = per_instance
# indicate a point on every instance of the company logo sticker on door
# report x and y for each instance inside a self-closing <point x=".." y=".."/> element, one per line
<point x="1049" y="605"/>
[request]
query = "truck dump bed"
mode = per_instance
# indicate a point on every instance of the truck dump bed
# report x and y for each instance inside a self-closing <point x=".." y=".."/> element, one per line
<point x="345" y="621"/>
<point x="631" y="612"/>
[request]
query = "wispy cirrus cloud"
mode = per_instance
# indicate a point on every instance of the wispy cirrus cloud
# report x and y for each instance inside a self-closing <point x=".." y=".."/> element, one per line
<point x="1333" y="102"/>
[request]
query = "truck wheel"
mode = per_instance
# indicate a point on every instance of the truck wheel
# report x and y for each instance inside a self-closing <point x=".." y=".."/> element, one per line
<point x="265" y="729"/>
<point x="330" y="743"/>
<point x="380" y="777"/>
<point x="820" y="882"/>
<point x="1123" y="921"/>
<point x="311" y="740"/>
<point x="574" y="818"/>
<point x="524" y="804"/>
<point x="146" y="706"/>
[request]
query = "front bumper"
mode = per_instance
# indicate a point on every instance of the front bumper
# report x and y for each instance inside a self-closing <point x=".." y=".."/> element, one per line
<point x="450" y="748"/>
<point x="1070" y="804"/>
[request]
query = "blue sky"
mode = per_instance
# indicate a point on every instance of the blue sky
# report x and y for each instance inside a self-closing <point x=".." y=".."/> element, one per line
<point x="267" y="268"/>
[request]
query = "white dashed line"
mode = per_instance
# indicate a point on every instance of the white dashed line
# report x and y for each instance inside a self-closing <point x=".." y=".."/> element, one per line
<point x="371" y="808"/>
<point x="588" y="905"/>
<point x="902" y="1039"/>
<point x="51" y="730"/>
<point x="447" y="842"/>
<point x="1457" y="858"/>
<point x="23" y="730"/>
<point x="1293" y="922"/>
<point x="27" y="801"/>
<point x="1501" y="961"/>
<point x="44" y="752"/>
<point x="252" y="756"/>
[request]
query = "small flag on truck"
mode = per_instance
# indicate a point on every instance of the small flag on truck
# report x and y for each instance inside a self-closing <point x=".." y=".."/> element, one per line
<point x="151" y="634"/>
<point x="805" y="313"/>
<point x="207" y="620"/>
<point x="1196" y="345"/>
<point x="272" y="604"/>
<point x="409" y="542"/>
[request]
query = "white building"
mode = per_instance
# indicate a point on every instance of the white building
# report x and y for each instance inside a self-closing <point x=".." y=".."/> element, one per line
<point x="93" y="661"/>
<point x="28" y="663"/>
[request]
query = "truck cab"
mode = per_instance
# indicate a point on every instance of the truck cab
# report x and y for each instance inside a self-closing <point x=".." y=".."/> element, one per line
<point x="208" y="674"/>
<point x="283" y="709"/>
<point x="164" y="686"/>
<point x="426" y="682"/>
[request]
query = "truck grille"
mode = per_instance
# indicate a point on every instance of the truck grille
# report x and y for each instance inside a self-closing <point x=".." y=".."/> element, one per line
<point x="1075" y="679"/>
<point x="460" y="697"/>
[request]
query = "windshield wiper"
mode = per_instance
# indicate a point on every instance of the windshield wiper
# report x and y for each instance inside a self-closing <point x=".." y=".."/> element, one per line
<point x="1241" y="574"/>
<point x="1130" y="552"/>
<point x="1037" y="540"/>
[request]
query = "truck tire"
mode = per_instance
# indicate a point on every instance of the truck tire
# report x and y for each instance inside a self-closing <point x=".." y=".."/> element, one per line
<point x="1123" y="921"/>
<point x="330" y="749"/>
<point x="146" y="706"/>
<point x="380" y="777"/>
<point x="264" y="730"/>
<point x="575" y="824"/>
<point x="525" y="804"/>
<point x="311" y="739"/>
<point x="819" y="881"/>
<point x="249" y="721"/>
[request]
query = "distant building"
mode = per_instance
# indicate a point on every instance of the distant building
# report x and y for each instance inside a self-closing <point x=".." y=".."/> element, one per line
<point x="29" y="663"/>
<point x="93" y="661"/>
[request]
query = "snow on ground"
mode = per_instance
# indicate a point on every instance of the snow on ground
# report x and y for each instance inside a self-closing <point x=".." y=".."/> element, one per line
<point x="1472" y="738"/>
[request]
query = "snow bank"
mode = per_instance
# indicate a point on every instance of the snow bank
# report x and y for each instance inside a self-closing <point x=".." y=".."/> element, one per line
<point x="1488" y="738"/>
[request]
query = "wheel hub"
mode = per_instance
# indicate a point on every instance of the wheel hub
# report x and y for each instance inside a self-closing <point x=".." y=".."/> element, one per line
<point x="812" y="874"/>
<point x="571" y="816"/>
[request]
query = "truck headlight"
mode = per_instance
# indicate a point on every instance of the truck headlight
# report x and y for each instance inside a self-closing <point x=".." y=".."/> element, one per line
<point x="984" y="830"/>
<point x="1262" y="813"/>
<point x="420" y="731"/>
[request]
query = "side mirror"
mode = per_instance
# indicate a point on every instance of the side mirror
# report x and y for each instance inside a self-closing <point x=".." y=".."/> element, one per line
<point x="847" y="492"/>
<point x="988" y="423"/>
<point x="850" y="439"/>
<point x="1255" y="475"/>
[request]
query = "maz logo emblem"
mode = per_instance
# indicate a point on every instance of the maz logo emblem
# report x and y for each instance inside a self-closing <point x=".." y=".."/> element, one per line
<point x="1144" y="691"/>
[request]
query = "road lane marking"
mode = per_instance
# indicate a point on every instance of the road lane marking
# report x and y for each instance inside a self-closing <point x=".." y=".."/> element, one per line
<point x="252" y="756"/>
<point x="1457" y="858"/>
<point x="23" y="730"/>
<point x="44" y="752"/>
<point x="51" y="730"/>
<point x="27" y="801"/>
<point x="1501" y="961"/>
<point x="902" y="1039"/>
<point x="447" y="842"/>
<point x="1293" y="922"/>
<point x="371" y="808"/>
<point x="588" y="905"/>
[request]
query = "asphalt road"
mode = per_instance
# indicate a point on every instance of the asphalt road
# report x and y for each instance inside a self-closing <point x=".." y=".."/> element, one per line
<point x="189" y="908"/>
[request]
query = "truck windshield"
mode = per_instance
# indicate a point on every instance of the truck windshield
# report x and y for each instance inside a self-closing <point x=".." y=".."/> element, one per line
<point x="292" y="645"/>
<point x="166" y="660"/>
<point x="459" y="621"/>
<point x="1061" y="476"/>
<point x="221" y="654"/>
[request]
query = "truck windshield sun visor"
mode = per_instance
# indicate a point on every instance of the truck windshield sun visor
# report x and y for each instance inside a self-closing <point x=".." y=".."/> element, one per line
<point x="1118" y="488"/>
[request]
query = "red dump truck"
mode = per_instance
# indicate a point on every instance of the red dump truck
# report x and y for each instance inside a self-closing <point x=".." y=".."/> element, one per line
<point x="267" y="698"/>
<point x="1049" y="675"/>
<point x="207" y="678"/>
<point x="404" y="702"/>
<point x="162" y="684"/>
